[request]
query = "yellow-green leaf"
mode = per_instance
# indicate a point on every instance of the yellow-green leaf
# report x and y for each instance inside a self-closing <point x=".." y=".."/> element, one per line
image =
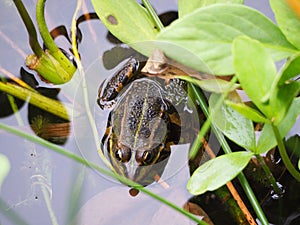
<point x="287" y="20"/>
<point x="248" y="112"/>
<point x="217" y="172"/>
<point x="127" y="20"/>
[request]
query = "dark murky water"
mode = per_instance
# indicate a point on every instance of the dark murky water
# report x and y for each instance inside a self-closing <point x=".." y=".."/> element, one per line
<point x="34" y="168"/>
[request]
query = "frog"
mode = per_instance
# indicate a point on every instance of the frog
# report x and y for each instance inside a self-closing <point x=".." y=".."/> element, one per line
<point x="142" y="123"/>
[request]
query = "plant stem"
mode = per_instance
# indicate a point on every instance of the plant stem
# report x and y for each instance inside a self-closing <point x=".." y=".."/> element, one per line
<point x="33" y="41"/>
<point x="36" y="99"/>
<point x="48" y="40"/>
<point x="207" y="124"/>
<point x="244" y="183"/>
<point x="81" y="160"/>
<point x="85" y="89"/>
<point x="14" y="106"/>
<point x="153" y="15"/>
<point x="285" y="158"/>
<point x="269" y="175"/>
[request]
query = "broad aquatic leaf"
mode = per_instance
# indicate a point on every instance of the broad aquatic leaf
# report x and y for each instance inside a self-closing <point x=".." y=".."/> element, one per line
<point x="127" y="20"/>
<point x="4" y="168"/>
<point x="217" y="172"/>
<point x="287" y="20"/>
<point x="291" y="69"/>
<point x="255" y="70"/>
<point x="188" y="6"/>
<point x="208" y="33"/>
<point x="267" y="139"/>
<point x="232" y="124"/>
<point x="248" y="112"/>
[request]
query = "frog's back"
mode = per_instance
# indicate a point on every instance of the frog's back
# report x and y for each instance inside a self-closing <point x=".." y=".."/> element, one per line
<point x="141" y="115"/>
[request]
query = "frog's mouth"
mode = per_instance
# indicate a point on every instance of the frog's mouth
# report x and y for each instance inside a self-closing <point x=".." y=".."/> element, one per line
<point x="146" y="174"/>
<point x="139" y="172"/>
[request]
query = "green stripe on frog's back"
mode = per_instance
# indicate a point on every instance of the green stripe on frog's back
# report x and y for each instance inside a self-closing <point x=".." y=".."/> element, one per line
<point x="142" y="117"/>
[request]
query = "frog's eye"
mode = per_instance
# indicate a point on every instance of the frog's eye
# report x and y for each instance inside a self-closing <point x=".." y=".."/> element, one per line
<point x="118" y="155"/>
<point x="148" y="156"/>
<point x="123" y="154"/>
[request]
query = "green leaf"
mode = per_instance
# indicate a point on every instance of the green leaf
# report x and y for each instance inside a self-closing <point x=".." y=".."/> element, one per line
<point x="186" y="7"/>
<point x="217" y="172"/>
<point x="299" y="164"/>
<point x="212" y="85"/>
<point x="292" y="146"/>
<point x="257" y="75"/>
<point x="4" y="168"/>
<point x="267" y="139"/>
<point x="290" y="69"/>
<point x="255" y="70"/>
<point x="281" y="99"/>
<point x="127" y="20"/>
<point x="248" y="112"/>
<point x="208" y="33"/>
<point x="232" y="124"/>
<point x="287" y="20"/>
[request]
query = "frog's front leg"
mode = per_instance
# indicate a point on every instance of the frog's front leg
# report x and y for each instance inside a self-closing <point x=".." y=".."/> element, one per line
<point x="109" y="90"/>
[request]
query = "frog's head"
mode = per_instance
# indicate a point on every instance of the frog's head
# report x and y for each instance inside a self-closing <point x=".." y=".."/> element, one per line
<point x="142" y="165"/>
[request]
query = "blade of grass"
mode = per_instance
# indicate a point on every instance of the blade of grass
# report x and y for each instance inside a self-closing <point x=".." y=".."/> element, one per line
<point x="207" y="124"/>
<point x="153" y="14"/>
<point x="85" y="88"/>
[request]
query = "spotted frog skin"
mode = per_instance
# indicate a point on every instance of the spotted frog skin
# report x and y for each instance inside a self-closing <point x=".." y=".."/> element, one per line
<point x="142" y="124"/>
